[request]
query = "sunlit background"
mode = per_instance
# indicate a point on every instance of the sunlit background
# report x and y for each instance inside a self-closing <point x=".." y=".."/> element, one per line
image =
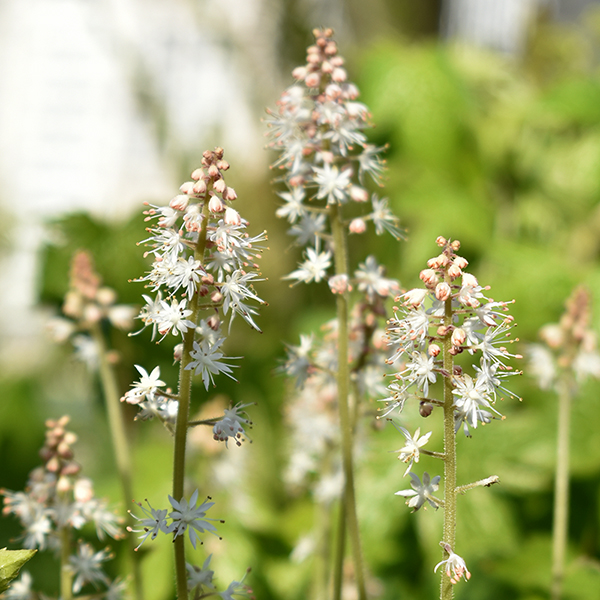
<point x="491" y="113"/>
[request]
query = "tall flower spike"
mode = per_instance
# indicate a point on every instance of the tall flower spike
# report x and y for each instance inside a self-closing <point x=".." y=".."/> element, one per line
<point x="325" y="162"/>
<point x="449" y="316"/>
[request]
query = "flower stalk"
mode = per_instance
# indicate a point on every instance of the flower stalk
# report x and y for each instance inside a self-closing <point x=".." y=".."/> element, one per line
<point x="448" y="317"/>
<point x="567" y="357"/>
<point x="346" y="422"/>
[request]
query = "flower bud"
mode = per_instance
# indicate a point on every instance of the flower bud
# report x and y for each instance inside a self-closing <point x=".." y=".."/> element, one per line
<point x="458" y="336"/>
<point x="200" y="187"/>
<point x="229" y="194"/>
<point x="232" y="217"/>
<point x="214" y="322"/>
<point x="186" y="187"/>
<point x="433" y="350"/>
<point x="216" y="205"/>
<point x="312" y="80"/>
<point x="197" y="174"/>
<point x="338" y="284"/>
<point x="429" y="277"/>
<point x="177" y="352"/>
<point x="358" y="194"/>
<point x="454" y="271"/>
<point x="443" y="291"/>
<point x="179" y="202"/>
<point x="339" y="75"/>
<point x="438" y="262"/>
<point x="357" y="226"/>
<point x="414" y="297"/>
<point x="219" y="186"/>
<point x="441" y="241"/>
<point x="469" y="280"/>
<point x="299" y="73"/>
<point x="425" y="409"/>
<point x="213" y="172"/>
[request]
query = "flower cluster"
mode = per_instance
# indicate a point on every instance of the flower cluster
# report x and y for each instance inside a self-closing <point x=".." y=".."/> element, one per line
<point x="434" y="331"/>
<point x="58" y="499"/>
<point x="318" y="131"/>
<point x="451" y="311"/>
<point x="187" y="516"/>
<point x="204" y="268"/>
<point x="569" y="345"/>
<point x="312" y="409"/>
<point x="86" y="305"/>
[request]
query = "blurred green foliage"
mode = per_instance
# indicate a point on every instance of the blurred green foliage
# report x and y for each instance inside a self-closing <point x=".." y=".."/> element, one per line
<point x="504" y="155"/>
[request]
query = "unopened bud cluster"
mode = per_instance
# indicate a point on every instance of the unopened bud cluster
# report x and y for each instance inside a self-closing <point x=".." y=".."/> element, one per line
<point x="86" y="305"/>
<point x="569" y="345"/>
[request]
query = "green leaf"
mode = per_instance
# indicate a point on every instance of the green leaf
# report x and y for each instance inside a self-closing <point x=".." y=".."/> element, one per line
<point x="11" y="562"/>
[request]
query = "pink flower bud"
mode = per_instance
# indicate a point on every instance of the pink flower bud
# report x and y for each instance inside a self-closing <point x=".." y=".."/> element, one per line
<point x="223" y="165"/>
<point x="438" y="262"/>
<point x="414" y="297"/>
<point x="232" y="216"/>
<point x="358" y="194"/>
<point x="441" y="241"/>
<point x="442" y="291"/>
<point x="200" y="187"/>
<point x="229" y="194"/>
<point x="177" y="352"/>
<point x="460" y="262"/>
<point x="326" y="67"/>
<point x="433" y="350"/>
<point x="219" y="186"/>
<point x="469" y="280"/>
<point x="179" y="202"/>
<point x="213" y="171"/>
<point x="213" y="322"/>
<point x="339" y="75"/>
<point x="454" y="271"/>
<point x="216" y="205"/>
<point x="357" y="226"/>
<point x="187" y="187"/>
<point x="425" y="409"/>
<point x="197" y="174"/>
<point x="312" y="80"/>
<point x="299" y="73"/>
<point x="338" y="284"/>
<point x="429" y="277"/>
<point x="458" y="336"/>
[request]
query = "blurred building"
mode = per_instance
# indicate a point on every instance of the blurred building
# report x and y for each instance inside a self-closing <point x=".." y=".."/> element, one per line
<point x="503" y="25"/>
<point x="101" y="101"/>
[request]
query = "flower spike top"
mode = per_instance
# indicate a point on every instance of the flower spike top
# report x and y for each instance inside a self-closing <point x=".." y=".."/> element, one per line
<point x="569" y="345"/>
<point x="318" y="129"/>
<point x="203" y="273"/>
<point x="476" y="325"/>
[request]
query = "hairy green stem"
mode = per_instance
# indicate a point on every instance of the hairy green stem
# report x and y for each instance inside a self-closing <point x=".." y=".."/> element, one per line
<point x="446" y="587"/>
<point x="120" y="445"/>
<point x="561" y="488"/>
<point x="183" y="411"/>
<point x="66" y="574"/>
<point x="343" y="389"/>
